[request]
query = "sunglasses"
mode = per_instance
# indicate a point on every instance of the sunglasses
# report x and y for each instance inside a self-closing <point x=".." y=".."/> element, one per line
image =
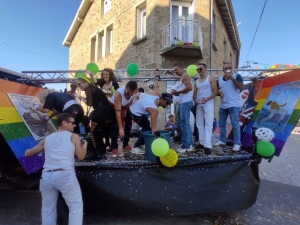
<point x="199" y="69"/>
<point x="71" y="122"/>
<point x="228" y="68"/>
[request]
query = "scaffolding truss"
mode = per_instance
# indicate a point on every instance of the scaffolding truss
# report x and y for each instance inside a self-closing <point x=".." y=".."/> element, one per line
<point x="144" y="75"/>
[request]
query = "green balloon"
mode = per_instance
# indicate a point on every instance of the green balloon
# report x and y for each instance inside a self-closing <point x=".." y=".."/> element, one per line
<point x="160" y="147"/>
<point x="92" y="67"/>
<point x="79" y="74"/>
<point x="132" y="69"/>
<point x="265" y="148"/>
<point x="191" y="70"/>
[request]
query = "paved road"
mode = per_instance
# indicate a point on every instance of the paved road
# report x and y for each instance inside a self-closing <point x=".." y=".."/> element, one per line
<point x="277" y="203"/>
<point x="286" y="168"/>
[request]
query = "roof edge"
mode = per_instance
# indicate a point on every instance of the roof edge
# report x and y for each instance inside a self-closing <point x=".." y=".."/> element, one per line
<point x="78" y="19"/>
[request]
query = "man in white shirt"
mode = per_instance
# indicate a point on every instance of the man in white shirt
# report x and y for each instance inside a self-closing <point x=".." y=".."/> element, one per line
<point x="147" y="104"/>
<point x="205" y="90"/>
<point x="59" y="173"/>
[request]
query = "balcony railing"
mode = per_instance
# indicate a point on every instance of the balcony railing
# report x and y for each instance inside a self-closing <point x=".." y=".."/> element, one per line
<point x="186" y="31"/>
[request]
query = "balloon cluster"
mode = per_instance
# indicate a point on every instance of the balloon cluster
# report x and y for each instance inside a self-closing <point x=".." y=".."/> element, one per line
<point x="168" y="157"/>
<point x="264" y="147"/>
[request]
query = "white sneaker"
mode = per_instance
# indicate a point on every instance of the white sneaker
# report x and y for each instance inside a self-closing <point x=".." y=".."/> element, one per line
<point x="219" y="143"/>
<point x="236" y="148"/>
<point x="191" y="149"/>
<point x="137" y="151"/>
<point x="181" y="150"/>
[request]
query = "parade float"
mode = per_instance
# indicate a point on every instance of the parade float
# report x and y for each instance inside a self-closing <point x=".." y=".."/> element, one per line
<point x="192" y="183"/>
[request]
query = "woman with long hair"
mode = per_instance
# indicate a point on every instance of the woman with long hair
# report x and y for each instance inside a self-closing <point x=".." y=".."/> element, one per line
<point x="108" y="84"/>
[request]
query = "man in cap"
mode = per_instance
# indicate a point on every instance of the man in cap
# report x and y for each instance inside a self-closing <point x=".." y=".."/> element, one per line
<point x="144" y="105"/>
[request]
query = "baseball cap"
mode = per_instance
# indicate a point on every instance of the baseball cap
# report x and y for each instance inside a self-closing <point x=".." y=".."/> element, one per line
<point x="168" y="97"/>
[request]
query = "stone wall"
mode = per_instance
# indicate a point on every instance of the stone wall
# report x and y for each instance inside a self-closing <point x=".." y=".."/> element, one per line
<point x="121" y="18"/>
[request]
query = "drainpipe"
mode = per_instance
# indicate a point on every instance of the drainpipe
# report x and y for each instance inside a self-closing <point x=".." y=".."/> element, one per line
<point x="211" y="27"/>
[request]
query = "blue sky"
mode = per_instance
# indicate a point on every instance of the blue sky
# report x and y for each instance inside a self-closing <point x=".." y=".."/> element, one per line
<point x="278" y="35"/>
<point x="32" y="32"/>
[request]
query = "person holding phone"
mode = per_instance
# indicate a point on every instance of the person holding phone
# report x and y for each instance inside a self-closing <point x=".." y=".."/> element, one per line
<point x="230" y="85"/>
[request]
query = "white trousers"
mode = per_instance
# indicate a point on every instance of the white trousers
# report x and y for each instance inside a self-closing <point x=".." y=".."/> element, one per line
<point x="205" y="114"/>
<point x="66" y="182"/>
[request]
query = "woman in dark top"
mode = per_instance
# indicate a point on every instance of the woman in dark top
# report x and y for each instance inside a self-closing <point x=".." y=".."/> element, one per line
<point x="59" y="102"/>
<point x="108" y="85"/>
<point x="102" y="113"/>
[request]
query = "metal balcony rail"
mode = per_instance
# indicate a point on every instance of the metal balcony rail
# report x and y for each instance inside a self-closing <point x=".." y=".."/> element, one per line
<point x="184" y="30"/>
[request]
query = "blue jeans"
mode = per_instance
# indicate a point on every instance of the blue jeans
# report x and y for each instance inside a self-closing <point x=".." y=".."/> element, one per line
<point x="144" y="123"/>
<point x="233" y="112"/>
<point x="186" y="137"/>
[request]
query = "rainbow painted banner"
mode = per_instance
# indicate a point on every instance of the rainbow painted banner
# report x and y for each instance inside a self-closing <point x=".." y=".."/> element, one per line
<point x="278" y="108"/>
<point x="14" y="129"/>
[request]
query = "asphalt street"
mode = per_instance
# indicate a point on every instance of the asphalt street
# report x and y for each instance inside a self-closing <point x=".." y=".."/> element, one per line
<point x="277" y="202"/>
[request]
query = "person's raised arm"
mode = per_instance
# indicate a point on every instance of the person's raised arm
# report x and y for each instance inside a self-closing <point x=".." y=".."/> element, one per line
<point x="156" y="86"/>
<point x="238" y="81"/>
<point x="80" y="149"/>
<point x="36" y="149"/>
<point x="154" y="114"/>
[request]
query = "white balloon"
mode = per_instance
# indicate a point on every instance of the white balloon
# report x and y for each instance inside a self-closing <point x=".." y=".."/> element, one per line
<point x="264" y="134"/>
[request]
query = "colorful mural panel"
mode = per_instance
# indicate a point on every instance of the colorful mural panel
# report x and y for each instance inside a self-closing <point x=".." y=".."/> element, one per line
<point x="284" y="91"/>
<point x="13" y="128"/>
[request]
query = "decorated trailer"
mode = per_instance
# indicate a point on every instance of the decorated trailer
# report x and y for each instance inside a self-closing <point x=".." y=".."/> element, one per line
<point x="222" y="181"/>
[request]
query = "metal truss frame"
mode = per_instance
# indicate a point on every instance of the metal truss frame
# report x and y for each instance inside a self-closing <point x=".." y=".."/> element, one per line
<point x="144" y="75"/>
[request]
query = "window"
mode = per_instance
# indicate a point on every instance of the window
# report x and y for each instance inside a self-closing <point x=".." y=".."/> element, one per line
<point x="106" y="6"/>
<point x="101" y="45"/>
<point x="141" y="21"/>
<point x="93" y="49"/>
<point x="109" y="40"/>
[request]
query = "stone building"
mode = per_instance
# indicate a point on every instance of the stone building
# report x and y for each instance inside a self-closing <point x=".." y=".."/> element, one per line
<point x="153" y="33"/>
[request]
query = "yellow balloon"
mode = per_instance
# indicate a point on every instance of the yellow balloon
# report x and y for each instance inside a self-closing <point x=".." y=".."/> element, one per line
<point x="170" y="159"/>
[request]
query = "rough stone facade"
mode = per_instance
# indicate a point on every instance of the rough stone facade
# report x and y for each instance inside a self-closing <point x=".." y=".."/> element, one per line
<point x="121" y="19"/>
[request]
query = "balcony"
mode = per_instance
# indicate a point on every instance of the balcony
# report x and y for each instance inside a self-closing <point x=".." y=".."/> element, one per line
<point x="182" y="38"/>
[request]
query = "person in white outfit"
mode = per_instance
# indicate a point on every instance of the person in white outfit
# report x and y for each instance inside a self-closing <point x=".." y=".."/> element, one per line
<point x="58" y="171"/>
<point x="205" y="90"/>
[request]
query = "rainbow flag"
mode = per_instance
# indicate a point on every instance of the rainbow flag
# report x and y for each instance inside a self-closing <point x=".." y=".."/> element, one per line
<point x="285" y="89"/>
<point x="14" y="130"/>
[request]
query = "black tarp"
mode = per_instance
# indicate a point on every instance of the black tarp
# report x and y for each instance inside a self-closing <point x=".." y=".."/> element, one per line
<point x="194" y="186"/>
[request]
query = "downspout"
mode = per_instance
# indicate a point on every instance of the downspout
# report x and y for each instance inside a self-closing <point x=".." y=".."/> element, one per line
<point x="211" y="30"/>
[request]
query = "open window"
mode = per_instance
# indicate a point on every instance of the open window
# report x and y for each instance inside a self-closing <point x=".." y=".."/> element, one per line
<point x="141" y="21"/>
